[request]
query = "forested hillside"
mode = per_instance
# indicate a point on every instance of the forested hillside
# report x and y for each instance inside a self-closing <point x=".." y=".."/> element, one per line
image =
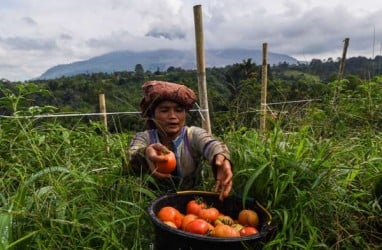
<point x="233" y="91"/>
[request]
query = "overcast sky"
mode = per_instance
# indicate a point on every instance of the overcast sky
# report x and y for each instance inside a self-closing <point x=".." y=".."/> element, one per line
<point x="38" y="34"/>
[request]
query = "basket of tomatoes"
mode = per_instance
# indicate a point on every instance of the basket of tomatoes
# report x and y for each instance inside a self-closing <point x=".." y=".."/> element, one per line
<point x="199" y="220"/>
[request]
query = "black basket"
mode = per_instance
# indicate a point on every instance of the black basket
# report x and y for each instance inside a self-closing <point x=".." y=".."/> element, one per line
<point x="168" y="238"/>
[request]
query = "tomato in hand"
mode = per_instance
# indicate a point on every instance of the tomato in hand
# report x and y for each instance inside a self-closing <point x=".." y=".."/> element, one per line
<point x="209" y="214"/>
<point x="248" y="217"/>
<point x="222" y="230"/>
<point x="245" y="231"/>
<point x="172" y="214"/>
<point x="167" y="166"/>
<point x="198" y="226"/>
<point x="194" y="206"/>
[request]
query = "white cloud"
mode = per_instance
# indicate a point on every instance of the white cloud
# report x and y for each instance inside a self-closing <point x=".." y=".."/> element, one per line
<point x="36" y="35"/>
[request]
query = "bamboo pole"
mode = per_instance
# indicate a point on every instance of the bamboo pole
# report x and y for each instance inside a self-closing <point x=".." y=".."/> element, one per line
<point x="264" y="79"/>
<point x="200" y="62"/>
<point x="343" y="59"/>
<point x="102" y="108"/>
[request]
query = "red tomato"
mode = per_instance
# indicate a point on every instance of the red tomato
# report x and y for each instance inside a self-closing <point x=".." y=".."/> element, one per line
<point x="187" y="219"/>
<point x="248" y="217"/>
<point x="237" y="226"/>
<point x="194" y="206"/>
<point x="170" y="223"/>
<point x="198" y="226"/>
<point x="248" y="231"/>
<point x="209" y="214"/>
<point x="172" y="214"/>
<point x="222" y="230"/>
<point x="166" y="167"/>
<point x="223" y="219"/>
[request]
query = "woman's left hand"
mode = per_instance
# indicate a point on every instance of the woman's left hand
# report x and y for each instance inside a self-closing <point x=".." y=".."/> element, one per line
<point x="223" y="176"/>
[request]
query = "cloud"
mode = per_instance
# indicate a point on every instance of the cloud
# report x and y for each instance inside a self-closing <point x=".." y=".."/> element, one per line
<point x="320" y="30"/>
<point x="314" y="32"/>
<point x="24" y="43"/>
<point x="29" y="21"/>
<point x="36" y="35"/>
<point x="170" y="33"/>
<point x="66" y="37"/>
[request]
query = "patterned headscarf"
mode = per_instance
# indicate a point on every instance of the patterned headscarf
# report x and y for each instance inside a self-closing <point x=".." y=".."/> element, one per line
<point x="158" y="91"/>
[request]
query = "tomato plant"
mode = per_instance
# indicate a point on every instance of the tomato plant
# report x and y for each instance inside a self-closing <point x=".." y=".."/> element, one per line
<point x="194" y="206"/>
<point x="222" y="230"/>
<point x="209" y="214"/>
<point x="248" y="217"/>
<point x="198" y="226"/>
<point x="167" y="166"/>
<point x="245" y="231"/>
<point x="172" y="214"/>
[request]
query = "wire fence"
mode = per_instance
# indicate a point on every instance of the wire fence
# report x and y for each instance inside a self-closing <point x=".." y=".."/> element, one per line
<point x="80" y="114"/>
<point x="199" y="110"/>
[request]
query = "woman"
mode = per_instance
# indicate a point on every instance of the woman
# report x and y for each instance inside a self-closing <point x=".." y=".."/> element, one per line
<point x="164" y="105"/>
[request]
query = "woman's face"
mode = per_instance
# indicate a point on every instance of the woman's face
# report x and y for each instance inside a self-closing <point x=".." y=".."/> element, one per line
<point x="170" y="117"/>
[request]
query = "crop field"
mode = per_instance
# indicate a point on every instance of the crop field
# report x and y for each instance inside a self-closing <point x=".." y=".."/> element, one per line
<point x="319" y="175"/>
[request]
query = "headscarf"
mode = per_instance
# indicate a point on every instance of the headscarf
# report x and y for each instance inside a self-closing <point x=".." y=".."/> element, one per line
<point x="158" y="91"/>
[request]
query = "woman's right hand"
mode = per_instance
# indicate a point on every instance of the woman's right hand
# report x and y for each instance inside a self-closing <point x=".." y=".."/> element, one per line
<point x="153" y="154"/>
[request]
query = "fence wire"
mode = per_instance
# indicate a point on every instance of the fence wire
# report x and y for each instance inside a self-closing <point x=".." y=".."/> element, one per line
<point x="199" y="110"/>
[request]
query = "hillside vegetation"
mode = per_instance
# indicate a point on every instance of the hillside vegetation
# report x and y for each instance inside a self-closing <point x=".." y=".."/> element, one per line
<point x="317" y="168"/>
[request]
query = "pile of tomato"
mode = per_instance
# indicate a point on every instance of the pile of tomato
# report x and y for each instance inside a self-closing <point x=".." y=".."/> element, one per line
<point x="201" y="218"/>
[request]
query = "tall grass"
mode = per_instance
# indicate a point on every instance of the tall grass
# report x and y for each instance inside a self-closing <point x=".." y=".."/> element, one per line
<point x="320" y="191"/>
<point x="62" y="188"/>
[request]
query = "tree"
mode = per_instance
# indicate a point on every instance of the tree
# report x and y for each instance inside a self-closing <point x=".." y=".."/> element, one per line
<point x="139" y="72"/>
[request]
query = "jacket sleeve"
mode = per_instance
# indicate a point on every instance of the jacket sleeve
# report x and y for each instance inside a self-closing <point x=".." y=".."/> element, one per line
<point x="135" y="153"/>
<point x="207" y="145"/>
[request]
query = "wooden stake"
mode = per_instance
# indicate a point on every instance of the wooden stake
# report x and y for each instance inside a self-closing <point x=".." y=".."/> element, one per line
<point x="343" y="59"/>
<point x="264" y="79"/>
<point x="200" y="62"/>
<point x="102" y="108"/>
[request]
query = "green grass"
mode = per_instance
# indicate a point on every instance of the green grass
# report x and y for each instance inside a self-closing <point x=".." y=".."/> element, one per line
<point x="62" y="188"/>
<point x="320" y="191"/>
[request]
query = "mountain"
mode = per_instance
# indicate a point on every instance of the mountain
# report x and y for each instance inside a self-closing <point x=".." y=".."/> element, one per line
<point x="162" y="60"/>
